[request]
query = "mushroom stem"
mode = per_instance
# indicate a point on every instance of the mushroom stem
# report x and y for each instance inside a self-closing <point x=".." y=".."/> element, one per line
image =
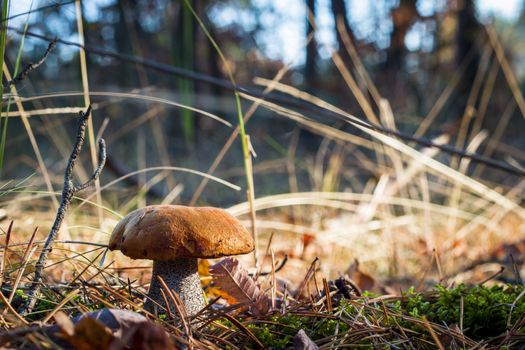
<point x="180" y="275"/>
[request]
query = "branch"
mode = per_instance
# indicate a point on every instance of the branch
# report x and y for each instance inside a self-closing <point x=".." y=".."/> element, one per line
<point x="32" y="66"/>
<point x="68" y="192"/>
<point x="98" y="170"/>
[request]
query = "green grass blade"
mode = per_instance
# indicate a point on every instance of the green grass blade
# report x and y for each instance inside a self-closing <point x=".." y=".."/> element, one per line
<point x="3" y="35"/>
<point x="17" y="68"/>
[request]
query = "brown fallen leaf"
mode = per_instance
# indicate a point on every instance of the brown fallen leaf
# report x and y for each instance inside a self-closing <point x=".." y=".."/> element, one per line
<point x="144" y="336"/>
<point x="87" y="334"/>
<point x="238" y="286"/>
<point x="110" y="329"/>
<point x="117" y="320"/>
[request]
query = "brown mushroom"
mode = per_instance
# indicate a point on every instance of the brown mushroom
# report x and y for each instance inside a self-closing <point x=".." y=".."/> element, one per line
<point x="174" y="236"/>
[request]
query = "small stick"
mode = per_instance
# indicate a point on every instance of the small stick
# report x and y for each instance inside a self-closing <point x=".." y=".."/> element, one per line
<point x="178" y="305"/>
<point x="433" y="334"/>
<point x="306" y="278"/>
<point x="438" y="265"/>
<point x="168" y="309"/>
<point x="68" y="192"/>
<point x="327" y="296"/>
<point x="501" y="269"/>
<point x="516" y="270"/>
<point x="273" y="281"/>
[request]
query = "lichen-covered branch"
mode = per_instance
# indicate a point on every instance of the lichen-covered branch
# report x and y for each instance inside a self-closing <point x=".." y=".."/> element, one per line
<point x="98" y="170"/>
<point x="68" y="192"/>
<point x="32" y="66"/>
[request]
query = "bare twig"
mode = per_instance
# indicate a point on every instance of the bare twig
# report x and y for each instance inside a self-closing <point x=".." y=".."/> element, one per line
<point x="32" y="66"/>
<point x="68" y="192"/>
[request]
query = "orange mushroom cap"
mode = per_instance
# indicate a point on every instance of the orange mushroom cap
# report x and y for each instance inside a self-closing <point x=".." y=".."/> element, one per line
<point x="167" y="232"/>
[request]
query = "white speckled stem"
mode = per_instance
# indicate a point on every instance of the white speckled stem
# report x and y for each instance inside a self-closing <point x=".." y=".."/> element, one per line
<point x="180" y="275"/>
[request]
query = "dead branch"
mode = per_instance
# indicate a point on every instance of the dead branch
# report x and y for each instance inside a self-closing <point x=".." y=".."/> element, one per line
<point x="68" y="192"/>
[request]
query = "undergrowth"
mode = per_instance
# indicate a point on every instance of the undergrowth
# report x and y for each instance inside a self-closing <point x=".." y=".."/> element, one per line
<point x="476" y="312"/>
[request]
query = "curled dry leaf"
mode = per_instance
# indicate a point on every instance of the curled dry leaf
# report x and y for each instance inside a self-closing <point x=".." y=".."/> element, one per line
<point x="86" y="334"/>
<point x="144" y="336"/>
<point x="118" y="320"/>
<point x="110" y="329"/>
<point x="238" y="286"/>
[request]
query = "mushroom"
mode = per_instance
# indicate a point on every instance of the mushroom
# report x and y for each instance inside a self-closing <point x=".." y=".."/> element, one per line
<point x="174" y="236"/>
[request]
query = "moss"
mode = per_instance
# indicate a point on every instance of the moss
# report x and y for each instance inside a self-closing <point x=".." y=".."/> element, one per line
<point x="485" y="314"/>
<point x="485" y="309"/>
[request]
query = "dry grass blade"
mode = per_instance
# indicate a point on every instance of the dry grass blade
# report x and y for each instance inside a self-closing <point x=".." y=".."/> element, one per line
<point x="178" y="305"/>
<point x="16" y="98"/>
<point x="428" y="326"/>
<point x="30" y="250"/>
<point x="160" y="168"/>
<point x="507" y="69"/>
<point x="66" y="300"/>
<point x="6" y="248"/>
<point x="87" y="103"/>
<point x="12" y="310"/>
<point x="218" y="159"/>
<point x="327" y="296"/>
<point x="306" y="278"/>
<point x="32" y="138"/>
<point x="233" y="279"/>
<point x="168" y="310"/>
<point x="245" y="330"/>
<point x="43" y="111"/>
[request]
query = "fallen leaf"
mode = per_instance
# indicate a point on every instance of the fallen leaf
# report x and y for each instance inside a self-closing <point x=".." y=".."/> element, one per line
<point x="239" y="287"/>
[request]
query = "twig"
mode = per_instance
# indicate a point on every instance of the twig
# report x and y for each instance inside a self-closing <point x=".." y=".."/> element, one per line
<point x="68" y="192"/>
<point x="491" y="277"/>
<point x="32" y="66"/>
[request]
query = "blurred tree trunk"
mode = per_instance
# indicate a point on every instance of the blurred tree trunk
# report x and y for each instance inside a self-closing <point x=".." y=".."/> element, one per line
<point x="123" y="40"/>
<point x="468" y="30"/>
<point x="310" y="68"/>
<point x="183" y="56"/>
<point x="339" y="11"/>
<point x="403" y="17"/>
